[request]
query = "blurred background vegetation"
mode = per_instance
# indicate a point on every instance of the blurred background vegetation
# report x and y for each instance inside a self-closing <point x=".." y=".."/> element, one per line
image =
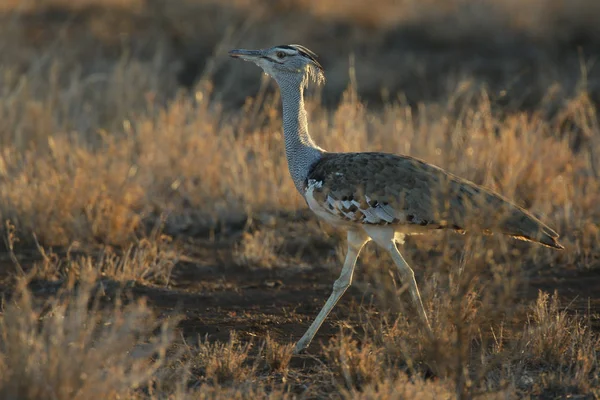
<point x="525" y="53"/>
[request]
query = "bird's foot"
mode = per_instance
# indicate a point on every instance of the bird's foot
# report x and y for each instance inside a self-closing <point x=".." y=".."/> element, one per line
<point x="301" y="347"/>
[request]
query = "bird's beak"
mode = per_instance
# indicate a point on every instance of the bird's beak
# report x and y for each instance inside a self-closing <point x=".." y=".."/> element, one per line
<point x="246" y="55"/>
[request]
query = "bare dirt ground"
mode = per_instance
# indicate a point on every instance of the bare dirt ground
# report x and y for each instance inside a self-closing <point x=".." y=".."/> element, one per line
<point x="213" y="297"/>
<point x="216" y="296"/>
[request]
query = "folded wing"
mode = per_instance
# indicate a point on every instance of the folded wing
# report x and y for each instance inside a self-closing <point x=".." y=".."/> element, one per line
<point x="387" y="189"/>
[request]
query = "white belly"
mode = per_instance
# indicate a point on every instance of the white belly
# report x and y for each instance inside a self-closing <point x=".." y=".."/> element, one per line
<point x="321" y="211"/>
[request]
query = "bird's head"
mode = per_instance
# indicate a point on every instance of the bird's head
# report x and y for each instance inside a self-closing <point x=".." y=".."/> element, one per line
<point x="285" y="62"/>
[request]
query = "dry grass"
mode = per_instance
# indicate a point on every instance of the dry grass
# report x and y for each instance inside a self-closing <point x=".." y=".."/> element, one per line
<point x="67" y="350"/>
<point x="355" y="366"/>
<point x="403" y="388"/>
<point x="104" y="156"/>
<point x="277" y="355"/>
<point x="149" y="261"/>
<point x="559" y="349"/>
<point x="540" y="359"/>
<point x="478" y="347"/>
<point x="63" y="348"/>
<point x="110" y="171"/>
<point x="188" y="159"/>
<point x="223" y="363"/>
<point x="258" y="249"/>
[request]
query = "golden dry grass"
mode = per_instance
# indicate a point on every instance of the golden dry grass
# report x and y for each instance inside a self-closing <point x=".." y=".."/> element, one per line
<point x="69" y="350"/>
<point x="109" y="170"/>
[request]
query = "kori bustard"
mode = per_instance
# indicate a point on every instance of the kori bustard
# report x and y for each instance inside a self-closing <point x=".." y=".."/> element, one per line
<point x="378" y="196"/>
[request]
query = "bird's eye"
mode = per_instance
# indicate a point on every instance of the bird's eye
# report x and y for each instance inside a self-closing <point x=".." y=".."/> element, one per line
<point x="280" y="54"/>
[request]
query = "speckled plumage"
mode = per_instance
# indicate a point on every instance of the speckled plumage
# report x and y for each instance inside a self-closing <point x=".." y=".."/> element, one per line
<point x="388" y="189"/>
<point x="301" y="151"/>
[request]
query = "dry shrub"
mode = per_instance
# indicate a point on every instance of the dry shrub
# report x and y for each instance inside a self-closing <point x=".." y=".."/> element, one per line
<point x="223" y="363"/>
<point x="404" y="388"/>
<point x="555" y="354"/>
<point x="277" y="355"/>
<point x="150" y="260"/>
<point x="559" y="348"/>
<point x="258" y="249"/>
<point x="67" y="164"/>
<point x="196" y="160"/>
<point x="184" y="158"/>
<point x="468" y="295"/>
<point x="239" y="392"/>
<point x="355" y="365"/>
<point x="71" y="193"/>
<point x="72" y="351"/>
<point x="554" y="337"/>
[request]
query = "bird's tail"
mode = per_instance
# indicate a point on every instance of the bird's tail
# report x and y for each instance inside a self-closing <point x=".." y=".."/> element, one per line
<point x="490" y="212"/>
<point x="520" y="224"/>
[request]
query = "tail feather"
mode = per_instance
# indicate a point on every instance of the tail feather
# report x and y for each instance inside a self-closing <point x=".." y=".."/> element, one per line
<point x="545" y="240"/>
<point x="494" y="213"/>
<point x="470" y="206"/>
<point x="522" y="225"/>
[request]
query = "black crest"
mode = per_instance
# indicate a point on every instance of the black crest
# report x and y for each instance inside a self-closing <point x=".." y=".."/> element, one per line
<point x="304" y="51"/>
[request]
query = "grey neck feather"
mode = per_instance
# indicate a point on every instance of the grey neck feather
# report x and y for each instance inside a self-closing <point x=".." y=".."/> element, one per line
<point x="300" y="149"/>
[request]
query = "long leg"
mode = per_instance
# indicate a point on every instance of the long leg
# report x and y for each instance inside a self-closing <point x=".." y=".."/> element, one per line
<point x="356" y="240"/>
<point x="408" y="277"/>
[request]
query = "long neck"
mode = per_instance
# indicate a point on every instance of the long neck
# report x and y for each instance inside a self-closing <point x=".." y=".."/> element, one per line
<point x="300" y="149"/>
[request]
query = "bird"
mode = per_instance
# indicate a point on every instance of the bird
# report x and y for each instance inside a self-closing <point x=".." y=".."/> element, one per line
<point x="378" y="196"/>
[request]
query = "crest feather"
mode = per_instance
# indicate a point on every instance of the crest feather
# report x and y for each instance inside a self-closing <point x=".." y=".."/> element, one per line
<point x="314" y="70"/>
